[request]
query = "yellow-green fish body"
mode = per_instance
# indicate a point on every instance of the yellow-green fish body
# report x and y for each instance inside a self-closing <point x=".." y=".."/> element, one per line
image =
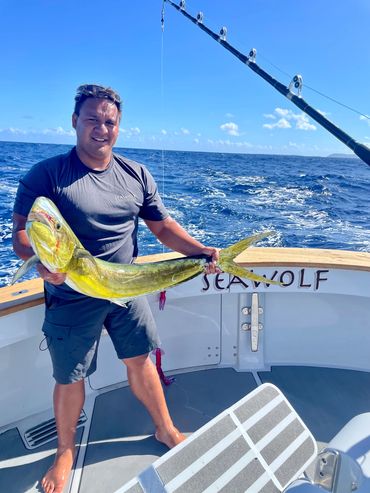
<point x="59" y="250"/>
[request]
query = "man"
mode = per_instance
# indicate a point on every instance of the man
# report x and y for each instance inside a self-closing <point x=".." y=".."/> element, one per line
<point x="101" y="195"/>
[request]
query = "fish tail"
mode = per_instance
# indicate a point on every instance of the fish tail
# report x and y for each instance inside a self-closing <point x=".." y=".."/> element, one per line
<point x="227" y="256"/>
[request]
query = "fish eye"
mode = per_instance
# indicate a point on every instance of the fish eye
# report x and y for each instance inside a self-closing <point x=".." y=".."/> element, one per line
<point x="58" y="225"/>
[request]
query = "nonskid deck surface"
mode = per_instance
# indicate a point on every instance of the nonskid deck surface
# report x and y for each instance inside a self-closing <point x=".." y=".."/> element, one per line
<point x="326" y="399"/>
<point x="121" y="442"/>
<point x="21" y="468"/>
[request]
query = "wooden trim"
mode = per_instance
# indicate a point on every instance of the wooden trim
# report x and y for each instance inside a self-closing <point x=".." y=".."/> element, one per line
<point x="21" y="306"/>
<point x="305" y="257"/>
<point x="31" y="293"/>
<point x="21" y="295"/>
<point x="289" y="257"/>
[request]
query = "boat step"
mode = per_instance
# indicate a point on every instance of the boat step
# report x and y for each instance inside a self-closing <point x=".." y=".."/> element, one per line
<point x="46" y="431"/>
<point x="259" y="444"/>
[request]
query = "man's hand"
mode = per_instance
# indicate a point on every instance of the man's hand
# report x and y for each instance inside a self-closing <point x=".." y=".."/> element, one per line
<point x="54" y="278"/>
<point x="211" y="267"/>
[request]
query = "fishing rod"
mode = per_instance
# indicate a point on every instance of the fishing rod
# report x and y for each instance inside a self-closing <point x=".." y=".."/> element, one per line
<point x="361" y="150"/>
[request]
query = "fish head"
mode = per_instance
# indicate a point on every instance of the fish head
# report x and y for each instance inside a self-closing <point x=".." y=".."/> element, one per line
<point x="51" y="238"/>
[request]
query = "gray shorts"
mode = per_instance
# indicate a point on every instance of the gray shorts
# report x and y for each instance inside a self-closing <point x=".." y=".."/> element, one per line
<point x="73" y="327"/>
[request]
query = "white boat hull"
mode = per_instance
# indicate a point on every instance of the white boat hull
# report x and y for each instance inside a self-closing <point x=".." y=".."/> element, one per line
<point x="319" y="317"/>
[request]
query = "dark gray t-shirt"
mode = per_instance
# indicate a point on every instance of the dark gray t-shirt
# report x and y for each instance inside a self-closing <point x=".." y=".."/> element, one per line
<point x="101" y="207"/>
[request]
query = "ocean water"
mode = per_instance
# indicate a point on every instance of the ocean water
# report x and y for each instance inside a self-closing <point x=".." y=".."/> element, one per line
<point x="220" y="198"/>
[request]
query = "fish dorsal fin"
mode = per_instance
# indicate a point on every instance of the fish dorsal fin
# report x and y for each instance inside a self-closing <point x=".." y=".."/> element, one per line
<point x="24" y="268"/>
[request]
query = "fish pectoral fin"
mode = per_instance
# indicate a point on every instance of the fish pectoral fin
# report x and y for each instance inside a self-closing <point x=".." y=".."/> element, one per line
<point x="24" y="268"/>
<point x="121" y="301"/>
<point x="238" y="271"/>
<point x="82" y="253"/>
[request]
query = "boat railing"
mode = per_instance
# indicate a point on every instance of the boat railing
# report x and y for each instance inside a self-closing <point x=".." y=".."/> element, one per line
<point x="27" y="294"/>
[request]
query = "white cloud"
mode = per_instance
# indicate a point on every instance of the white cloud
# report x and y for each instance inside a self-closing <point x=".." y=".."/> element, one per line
<point x="46" y="131"/>
<point x="282" y="123"/>
<point x="58" y="131"/>
<point x="163" y="131"/>
<point x="230" y="128"/>
<point x="130" y="131"/>
<point x="56" y="135"/>
<point x="304" y="124"/>
<point x="282" y="111"/>
<point x="243" y="144"/>
<point x="229" y="115"/>
<point x="323" y="113"/>
<point x="185" y="131"/>
<point x="230" y="144"/>
<point x="15" y="131"/>
<point x="270" y="116"/>
<point x="365" y="118"/>
<point x="196" y="141"/>
<point x="287" y="118"/>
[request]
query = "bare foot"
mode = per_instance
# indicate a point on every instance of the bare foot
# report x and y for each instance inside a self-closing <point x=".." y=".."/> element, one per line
<point x="170" y="437"/>
<point x="57" y="476"/>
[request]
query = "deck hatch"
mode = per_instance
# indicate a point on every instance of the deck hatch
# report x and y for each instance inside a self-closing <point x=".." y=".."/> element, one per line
<point x="45" y="432"/>
<point x="258" y="445"/>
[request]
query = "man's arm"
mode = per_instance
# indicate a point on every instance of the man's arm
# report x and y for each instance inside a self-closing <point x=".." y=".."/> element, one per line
<point x="23" y="249"/>
<point x="21" y="244"/>
<point x="170" y="233"/>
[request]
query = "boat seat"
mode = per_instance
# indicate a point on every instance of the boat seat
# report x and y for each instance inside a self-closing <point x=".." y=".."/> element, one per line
<point x="347" y="458"/>
<point x="343" y="466"/>
<point x="259" y="444"/>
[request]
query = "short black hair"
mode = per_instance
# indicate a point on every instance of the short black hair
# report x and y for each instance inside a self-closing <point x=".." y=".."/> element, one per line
<point x="86" y="91"/>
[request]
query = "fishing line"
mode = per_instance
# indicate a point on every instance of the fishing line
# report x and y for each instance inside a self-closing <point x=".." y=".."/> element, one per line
<point x="315" y="90"/>
<point x="337" y="102"/>
<point x="306" y="86"/>
<point x="289" y="76"/>
<point x="291" y="92"/>
<point x="162" y="102"/>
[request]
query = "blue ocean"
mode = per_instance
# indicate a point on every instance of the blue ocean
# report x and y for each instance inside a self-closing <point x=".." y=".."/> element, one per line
<point x="311" y="202"/>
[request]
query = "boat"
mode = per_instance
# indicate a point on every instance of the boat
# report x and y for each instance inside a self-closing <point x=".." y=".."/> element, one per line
<point x="223" y="338"/>
<point x="270" y="382"/>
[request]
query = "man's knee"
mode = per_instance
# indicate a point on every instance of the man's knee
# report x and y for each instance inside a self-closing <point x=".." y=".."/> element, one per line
<point x="137" y="361"/>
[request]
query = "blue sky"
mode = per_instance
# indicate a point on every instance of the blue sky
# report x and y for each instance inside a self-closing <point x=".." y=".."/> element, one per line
<point x="182" y="90"/>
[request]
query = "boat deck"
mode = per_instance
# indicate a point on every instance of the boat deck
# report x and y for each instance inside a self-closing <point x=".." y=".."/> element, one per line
<point x="116" y="441"/>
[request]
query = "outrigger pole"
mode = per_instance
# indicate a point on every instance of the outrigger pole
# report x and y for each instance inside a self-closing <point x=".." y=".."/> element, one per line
<point x="361" y="150"/>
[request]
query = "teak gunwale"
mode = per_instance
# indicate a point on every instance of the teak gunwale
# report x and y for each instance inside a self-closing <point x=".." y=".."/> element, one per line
<point x="27" y="294"/>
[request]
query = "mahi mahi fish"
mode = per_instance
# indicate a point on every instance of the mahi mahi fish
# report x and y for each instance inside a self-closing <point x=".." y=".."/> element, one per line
<point x="57" y="247"/>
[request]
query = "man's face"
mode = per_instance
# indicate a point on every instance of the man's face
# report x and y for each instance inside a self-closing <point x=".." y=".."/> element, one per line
<point x="97" y="128"/>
